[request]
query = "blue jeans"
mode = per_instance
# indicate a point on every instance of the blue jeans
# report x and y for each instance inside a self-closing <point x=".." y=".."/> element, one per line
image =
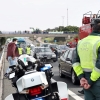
<point x="11" y="63"/>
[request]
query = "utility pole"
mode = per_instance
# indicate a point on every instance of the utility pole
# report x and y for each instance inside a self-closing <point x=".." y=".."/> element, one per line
<point x="63" y="20"/>
<point x="67" y="16"/>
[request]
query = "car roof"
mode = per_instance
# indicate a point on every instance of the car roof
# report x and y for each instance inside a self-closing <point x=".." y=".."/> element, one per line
<point x="71" y="48"/>
<point x="41" y="47"/>
<point x="45" y="43"/>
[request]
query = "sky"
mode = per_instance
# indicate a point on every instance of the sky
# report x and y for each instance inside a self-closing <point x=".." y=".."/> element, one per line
<point x="20" y="15"/>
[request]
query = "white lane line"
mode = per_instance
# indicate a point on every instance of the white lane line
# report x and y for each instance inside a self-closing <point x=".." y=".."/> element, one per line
<point x="73" y="95"/>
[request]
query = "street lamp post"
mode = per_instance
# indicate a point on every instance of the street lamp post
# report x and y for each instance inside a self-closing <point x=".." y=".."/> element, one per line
<point x="63" y="20"/>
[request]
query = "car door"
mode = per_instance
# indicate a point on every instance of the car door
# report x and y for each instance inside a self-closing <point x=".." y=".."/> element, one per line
<point x="63" y="60"/>
<point x="69" y="62"/>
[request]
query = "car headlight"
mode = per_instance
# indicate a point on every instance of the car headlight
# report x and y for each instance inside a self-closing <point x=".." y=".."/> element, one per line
<point x="40" y="55"/>
<point x="53" y="55"/>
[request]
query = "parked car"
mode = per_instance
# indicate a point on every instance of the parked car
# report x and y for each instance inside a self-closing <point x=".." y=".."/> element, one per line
<point x="55" y="46"/>
<point x="45" y="44"/>
<point x="44" y="52"/>
<point x="65" y="65"/>
<point x="63" y="48"/>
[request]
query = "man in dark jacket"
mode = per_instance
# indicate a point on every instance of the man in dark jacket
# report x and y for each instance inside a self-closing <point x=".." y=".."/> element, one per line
<point x="56" y="52"/>
<point x="12" y="54"/>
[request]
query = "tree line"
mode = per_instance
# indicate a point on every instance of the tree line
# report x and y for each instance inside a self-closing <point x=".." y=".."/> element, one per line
<point x="66" y="29"/>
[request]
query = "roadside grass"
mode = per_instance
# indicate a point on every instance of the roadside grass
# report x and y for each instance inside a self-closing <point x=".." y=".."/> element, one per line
<point x="51" y="40"/>
<point x="48" y="39"/>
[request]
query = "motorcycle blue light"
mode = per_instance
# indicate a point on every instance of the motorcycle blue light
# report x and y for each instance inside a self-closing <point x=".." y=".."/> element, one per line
<point x="45" y="68"/>
<point x="39" y="99"/>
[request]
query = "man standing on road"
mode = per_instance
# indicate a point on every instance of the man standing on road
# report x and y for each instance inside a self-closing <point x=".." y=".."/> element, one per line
<point x="56" y="52"/>
<point x="86" y="63"/>
<point x="12" y="54"/>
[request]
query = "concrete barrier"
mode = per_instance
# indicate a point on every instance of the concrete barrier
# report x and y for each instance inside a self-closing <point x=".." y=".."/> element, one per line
<point x="1" y="60"/>
<point x="1" y="73"/>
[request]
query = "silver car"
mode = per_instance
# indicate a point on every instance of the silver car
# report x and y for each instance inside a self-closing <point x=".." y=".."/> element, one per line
<point x="44" y="52"/>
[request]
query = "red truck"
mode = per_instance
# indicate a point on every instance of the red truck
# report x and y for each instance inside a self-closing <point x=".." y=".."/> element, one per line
<point x="86" y="28"/>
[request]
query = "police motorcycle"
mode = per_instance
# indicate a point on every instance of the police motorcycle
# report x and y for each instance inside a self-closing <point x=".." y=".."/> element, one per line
<point x="33" y="81"/>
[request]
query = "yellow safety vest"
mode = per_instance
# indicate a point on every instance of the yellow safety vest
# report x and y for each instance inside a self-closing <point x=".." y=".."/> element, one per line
<point x="20" y="50"/>
<point x="28" y="50"/>
<point x="87" y="50"/>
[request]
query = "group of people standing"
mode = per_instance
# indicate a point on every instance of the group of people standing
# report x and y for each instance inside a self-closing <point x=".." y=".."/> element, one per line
<point x="14" y="50"/>
<point x="27" y="50"/>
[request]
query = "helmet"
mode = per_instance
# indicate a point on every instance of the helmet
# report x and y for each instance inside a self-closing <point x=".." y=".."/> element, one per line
<point x="28" y="45"/>
<point x="26" y="61"/>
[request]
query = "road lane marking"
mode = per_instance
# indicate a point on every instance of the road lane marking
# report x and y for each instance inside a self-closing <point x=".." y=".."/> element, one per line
<point x="73" y="95"/>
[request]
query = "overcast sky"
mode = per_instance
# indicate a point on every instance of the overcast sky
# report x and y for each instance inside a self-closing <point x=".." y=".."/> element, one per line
<point x="23" y="14"/>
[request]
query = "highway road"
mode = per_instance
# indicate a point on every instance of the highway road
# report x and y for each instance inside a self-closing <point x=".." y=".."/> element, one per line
<point x="72" y="89"/>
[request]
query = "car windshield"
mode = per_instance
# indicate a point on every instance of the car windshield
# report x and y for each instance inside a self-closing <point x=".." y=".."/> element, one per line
<point x="32" y="47"/>
<point x="45" y="45"/>
<point x="54" y="46"/>
<point x="45" y="50"/>
<point x="63" y="47"/>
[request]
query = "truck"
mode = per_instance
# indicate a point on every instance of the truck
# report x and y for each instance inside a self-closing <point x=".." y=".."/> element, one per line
<point x="86" y="28"/>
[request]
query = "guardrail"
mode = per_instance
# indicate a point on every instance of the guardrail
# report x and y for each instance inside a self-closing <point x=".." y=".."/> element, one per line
<point x="1" y="60"/>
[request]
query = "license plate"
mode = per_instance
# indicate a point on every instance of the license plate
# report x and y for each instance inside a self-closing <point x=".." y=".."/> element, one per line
<point x="12" y="75"/>
<point x="45" y="56"/>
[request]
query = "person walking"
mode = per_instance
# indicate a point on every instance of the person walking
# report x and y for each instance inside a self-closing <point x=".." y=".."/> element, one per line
<point x="86" y="63"/>
<point x="12" y="54"/>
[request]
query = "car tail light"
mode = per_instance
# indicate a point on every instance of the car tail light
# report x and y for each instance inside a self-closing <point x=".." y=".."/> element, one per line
<point x="64" y="99"/>
<point x="35" y="91"/>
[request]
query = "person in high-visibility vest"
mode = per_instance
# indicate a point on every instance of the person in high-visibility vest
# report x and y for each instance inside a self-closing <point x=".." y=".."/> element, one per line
<point x="20" y="49"/>
<point x="28" y="50"/>
<point x="86" y="63"/>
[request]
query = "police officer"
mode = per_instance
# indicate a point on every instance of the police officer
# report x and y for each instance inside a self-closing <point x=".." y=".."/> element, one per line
<point x="86" y="63"/>
<point x="28" y="50"/>
<point x="20" y="49"/>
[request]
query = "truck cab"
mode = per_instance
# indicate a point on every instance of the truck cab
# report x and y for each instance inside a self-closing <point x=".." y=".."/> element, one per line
<point x="87" y="23"/>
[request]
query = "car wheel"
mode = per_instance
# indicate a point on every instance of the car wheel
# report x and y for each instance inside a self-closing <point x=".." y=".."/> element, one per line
<point x="73" y="77"/>
<point x="35" y="56"/>
<point x="54" y="60"/>
<point x="60" y="73"/>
